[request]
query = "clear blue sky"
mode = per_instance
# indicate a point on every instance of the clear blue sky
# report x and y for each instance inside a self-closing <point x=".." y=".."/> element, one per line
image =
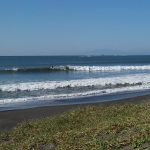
<point x="72" y="27"/>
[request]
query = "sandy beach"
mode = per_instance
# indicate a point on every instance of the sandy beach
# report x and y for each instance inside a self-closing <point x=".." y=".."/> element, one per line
<point x="9" y="119"/>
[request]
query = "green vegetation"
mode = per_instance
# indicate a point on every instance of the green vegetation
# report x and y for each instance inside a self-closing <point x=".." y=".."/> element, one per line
<point x="119" y="126"/>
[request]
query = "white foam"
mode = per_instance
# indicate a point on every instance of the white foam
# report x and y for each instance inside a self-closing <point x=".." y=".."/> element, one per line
<point x="143" y="79"/>
<point x="12" y="69"/>
<point x="109" y="68"/>
<point x="88" y="68"/>
<point x="47" y="85"/>
<point x="73" y="95"/>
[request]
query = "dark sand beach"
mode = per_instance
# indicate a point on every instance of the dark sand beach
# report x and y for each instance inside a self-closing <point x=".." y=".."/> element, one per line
<point x="9" y="119"/>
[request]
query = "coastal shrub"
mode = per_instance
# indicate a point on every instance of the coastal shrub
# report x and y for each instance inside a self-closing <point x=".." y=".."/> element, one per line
<point x="118" y="126"/>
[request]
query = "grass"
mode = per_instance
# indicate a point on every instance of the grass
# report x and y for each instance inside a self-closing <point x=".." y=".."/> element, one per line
<point x="119" y="126"/>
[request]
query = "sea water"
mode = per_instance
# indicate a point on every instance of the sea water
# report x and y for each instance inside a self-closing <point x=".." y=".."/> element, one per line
<point x="48" y="78"/>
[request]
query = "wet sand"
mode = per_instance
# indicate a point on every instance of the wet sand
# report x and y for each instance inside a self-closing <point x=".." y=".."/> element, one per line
<point x="9" y="119"/>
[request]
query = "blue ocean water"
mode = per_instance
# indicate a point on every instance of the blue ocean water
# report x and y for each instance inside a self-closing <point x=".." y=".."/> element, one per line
<point x="31" y="78"/>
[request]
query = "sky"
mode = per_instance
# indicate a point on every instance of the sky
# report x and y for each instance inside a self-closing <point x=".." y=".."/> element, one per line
<point x="74" y="27"/>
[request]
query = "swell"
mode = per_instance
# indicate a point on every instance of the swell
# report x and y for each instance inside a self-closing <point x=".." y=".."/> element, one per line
<point x="36" y="69"/>
<point x="75" y="68"/>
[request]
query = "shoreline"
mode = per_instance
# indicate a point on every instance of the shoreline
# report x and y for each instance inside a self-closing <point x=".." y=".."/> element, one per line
<point x="74" y="101"/>
<point x="10" y="118"/>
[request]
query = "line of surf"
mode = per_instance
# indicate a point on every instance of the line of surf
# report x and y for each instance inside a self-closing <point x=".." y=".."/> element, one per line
<point x="127" y="80"/>
<point x="75" y="68"/>
<point x="72" y="95"/>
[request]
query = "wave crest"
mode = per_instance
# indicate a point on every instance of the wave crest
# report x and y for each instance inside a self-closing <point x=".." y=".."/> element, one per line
<point x="75" y="68"/>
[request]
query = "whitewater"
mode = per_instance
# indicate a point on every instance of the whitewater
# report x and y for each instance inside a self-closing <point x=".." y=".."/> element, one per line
<point x="76" y="68"/>
<point x="33" y="79"/>
<point x="94" y="86"/>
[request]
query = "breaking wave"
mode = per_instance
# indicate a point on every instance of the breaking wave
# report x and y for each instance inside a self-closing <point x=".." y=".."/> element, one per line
<point x="128" y="80"/>
<point x="75" y="68"/>
<point x="71" y="95"/>
<point x="50" y="90"/>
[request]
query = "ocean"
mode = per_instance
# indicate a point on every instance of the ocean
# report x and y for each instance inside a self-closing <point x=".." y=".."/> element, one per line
<point x="27" y="79"/>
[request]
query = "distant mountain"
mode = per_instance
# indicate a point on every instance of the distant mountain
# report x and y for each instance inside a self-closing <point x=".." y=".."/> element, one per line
<point x="117" y="52"/>
<point x="105" y="52"/>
